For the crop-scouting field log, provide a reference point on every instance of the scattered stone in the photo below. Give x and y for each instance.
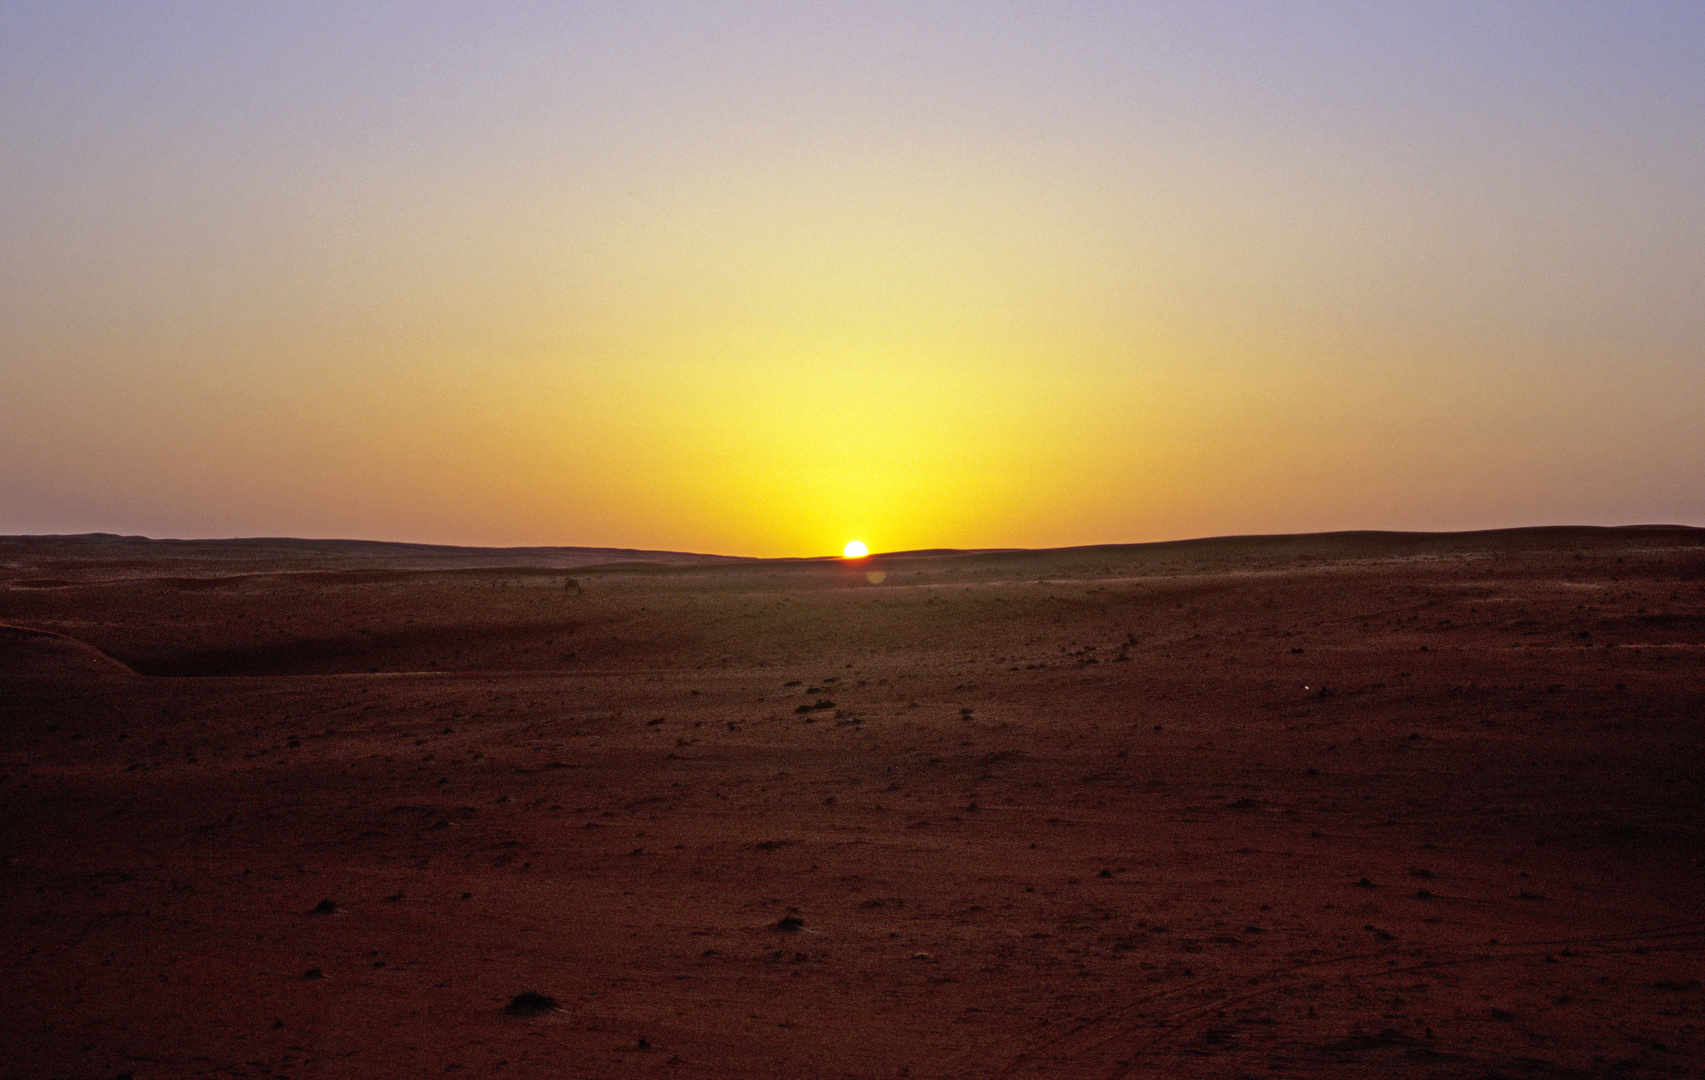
(325, 907)
(789, 924)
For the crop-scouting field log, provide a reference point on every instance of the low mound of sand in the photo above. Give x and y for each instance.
(42, 654)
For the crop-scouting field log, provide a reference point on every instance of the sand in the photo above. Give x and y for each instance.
(1326, 806)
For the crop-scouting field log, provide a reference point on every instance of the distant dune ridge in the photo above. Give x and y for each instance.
(260, 554)
(46, 561)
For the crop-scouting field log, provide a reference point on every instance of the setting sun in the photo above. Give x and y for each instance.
(855, 549)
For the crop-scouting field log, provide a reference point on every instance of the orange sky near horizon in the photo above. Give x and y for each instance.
(761, 278)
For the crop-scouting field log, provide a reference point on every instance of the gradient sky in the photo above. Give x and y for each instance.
(759, 278)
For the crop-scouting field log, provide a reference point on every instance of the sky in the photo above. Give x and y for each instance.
(758, 278)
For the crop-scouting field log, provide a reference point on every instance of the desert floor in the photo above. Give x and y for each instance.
(1332, 806)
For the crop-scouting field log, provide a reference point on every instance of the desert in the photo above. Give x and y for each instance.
(1333, 805)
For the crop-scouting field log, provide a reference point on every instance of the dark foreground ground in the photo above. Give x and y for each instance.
(1333, 806)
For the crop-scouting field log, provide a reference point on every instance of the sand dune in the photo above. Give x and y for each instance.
(27, 653)
(1337, 805)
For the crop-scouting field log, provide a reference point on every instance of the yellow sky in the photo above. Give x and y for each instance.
(766, 279)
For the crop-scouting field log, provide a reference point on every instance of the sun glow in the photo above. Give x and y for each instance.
(855, 549)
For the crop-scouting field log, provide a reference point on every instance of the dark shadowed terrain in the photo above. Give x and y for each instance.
(1319, 806)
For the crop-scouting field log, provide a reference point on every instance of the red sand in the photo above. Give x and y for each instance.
(1330, 806)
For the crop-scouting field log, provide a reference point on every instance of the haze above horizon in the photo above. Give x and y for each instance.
(764, 278)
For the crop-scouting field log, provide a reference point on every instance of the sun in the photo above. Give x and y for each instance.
(856, 550)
